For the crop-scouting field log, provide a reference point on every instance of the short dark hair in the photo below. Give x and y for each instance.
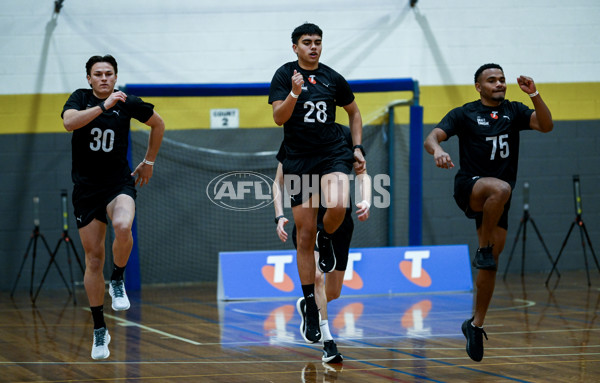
(484, 67)
(100, 59)
(306, 29)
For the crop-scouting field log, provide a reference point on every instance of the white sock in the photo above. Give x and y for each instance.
(325, 330)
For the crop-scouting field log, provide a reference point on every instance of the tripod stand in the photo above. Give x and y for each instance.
(33, 240)
(523, 225)
(582, 231)
(67, 241)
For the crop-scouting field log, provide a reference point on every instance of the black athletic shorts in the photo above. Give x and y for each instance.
(91, 202)
(463, 187)
(311, 169)
(340, 240)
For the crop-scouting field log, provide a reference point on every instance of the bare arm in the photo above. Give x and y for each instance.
(74, 119)
(541, 119)
(355, 121)
(432, 145)
(364, 182)
(278, 203)
(282, 110)
(144, 170)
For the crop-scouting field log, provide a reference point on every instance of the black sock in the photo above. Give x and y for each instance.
(98, 315)
(309, 296)
(117, 274)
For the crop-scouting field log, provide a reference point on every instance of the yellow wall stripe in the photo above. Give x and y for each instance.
(40, 113)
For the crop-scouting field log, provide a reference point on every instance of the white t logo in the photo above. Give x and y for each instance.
(417, 264)
(279, 262)
(350, 266)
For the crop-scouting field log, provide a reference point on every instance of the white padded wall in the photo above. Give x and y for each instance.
(438, 42)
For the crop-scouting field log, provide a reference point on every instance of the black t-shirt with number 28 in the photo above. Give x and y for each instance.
(488, 138)
(99, 149)
(311, 129)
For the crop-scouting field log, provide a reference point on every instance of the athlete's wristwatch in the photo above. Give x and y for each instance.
(362, 150)
(278, 218)
(101, 105)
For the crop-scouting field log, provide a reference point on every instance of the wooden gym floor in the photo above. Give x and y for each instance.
(182, 334)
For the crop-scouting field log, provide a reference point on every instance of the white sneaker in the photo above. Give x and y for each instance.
(100, 344)
(116, 290)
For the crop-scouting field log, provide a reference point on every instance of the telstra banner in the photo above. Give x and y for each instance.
(370, 271)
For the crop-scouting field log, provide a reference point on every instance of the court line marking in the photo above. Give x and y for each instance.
(454, 335)
(527, 303)
(346, 371)
(124, 322)
(348, 360)
(446, 361)
(449, 335)
(346, 342)
(128, 323)
(354, 370)
(463, 347)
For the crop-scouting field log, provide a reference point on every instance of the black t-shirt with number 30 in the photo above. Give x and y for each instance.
(311, 129)
(99, 149)
(488, 138)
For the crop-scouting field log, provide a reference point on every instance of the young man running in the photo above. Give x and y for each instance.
(488, 132)
(304, 95)
(104, 185)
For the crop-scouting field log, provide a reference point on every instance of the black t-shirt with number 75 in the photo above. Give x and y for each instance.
(488, 138)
